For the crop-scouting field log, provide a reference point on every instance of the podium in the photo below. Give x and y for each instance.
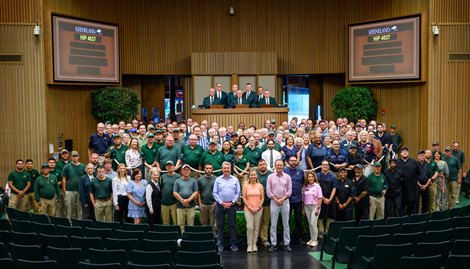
(242, 106)
(216, 107)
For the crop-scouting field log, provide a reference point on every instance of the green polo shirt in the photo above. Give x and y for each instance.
(205, 187)
(263, 179)
(61, 164)
(165, 154)
(433, 167)
(460, 156)
(120, 155)
(216, 159)
(241, 162)
(149, 153)
(46, 187)
(454, 165)
(167, 188)
(191, 156)
(33, 174)
(57, 173)
(19, 179)
(72, 174)
(253, 155)
(377, 184)
(185, 188)
(101, 188)
(142, 141)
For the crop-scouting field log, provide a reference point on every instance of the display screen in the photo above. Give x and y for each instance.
(385, 50)
(85, 51)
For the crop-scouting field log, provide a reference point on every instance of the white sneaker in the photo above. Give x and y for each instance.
(309, 242)
(314, 243)
(249, 249)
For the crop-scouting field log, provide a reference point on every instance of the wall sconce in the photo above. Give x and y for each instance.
(435, 30)
(231, 11)
(37, 30)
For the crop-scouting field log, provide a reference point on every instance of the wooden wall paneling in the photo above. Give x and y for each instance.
(20, 11)
(22, 102)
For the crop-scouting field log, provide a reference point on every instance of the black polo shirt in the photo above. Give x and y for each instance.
(360, 186)
(424, 172)
(394, 179)
(409, 170)
(344, 191)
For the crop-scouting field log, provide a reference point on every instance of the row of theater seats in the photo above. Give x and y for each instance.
(39, 243)
(417, 241)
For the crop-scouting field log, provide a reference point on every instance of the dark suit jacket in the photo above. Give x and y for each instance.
(207, 102)
(235, 102)
(258, 99)
(252, 100)
(343, 145)
(272, 101)
(224, 99)
(84, 189)
(231, 99)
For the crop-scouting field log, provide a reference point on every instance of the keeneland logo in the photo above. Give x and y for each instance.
(383, 30)
(86, 30)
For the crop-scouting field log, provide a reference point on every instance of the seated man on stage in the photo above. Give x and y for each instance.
(211, 99)
(268, 100)
(240, 100)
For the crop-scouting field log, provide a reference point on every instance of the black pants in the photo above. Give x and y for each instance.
(344, 215)
(121, 214)
(156, 218)
(424, 195)
(88, 212)
(392, 207)
(362, 212)
(297, 208)
(408, 207)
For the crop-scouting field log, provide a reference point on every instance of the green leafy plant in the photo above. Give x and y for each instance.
(114, 104)
(355, 103)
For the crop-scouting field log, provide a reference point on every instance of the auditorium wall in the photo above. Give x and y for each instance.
(158, 37)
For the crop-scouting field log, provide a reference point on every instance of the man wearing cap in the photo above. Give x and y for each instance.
(60, 209)
(455, 176)
(64, 159)
(409, 189)
(159, 142)
(344, 197)
(377, 189)
(101, 193)
(354, 157)
(117, 151)
(435, 148)
(396, 138)
(99, 142)
(168, 153)
(277, 146)
(432, 189)
(47, 191)
(185, 191)
(226, 192)
(393, 194)
(361, 189)
(19, 182)
(179, 142)
(148, 152)
(33, 173)
(213, 156)
(191, 154)
(108, 169)
(168, 200)
(70, 186)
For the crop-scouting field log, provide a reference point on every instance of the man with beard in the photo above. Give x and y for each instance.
(213, 156)
(19, 182)
(432, 189)
(337, 157)
(191, 154)
(377, 189)
(328, 184)
(117, 151)
(409, 189)
(33, 173)
(455, 177)
(354, 157)
(297, 176)
(168, 153)
(263, 174)
(205, 198)
(393, 194)
(361, 187)
(47, 191)
(424, 181)
(344, 197)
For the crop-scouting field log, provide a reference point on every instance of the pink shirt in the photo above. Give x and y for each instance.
(253, 194)
(311, 194)
(279, 185)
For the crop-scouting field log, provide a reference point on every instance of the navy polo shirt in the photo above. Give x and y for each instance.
(99, 144)
(297, 177)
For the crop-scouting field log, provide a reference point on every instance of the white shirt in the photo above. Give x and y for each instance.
(119, 188)
(266, 155)
(133, 159)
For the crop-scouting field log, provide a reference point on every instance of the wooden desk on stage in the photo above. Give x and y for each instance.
(233, 116)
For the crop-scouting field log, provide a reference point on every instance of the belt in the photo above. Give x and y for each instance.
(102, 200)
(376, 196)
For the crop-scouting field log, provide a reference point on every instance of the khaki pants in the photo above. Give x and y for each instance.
(32, 204)
(252, 227)
(47, 206)
(167, 211)
(377, 207)
(207, 215)
(264, 225)
(73, 207)
(324, 225)
(17, 202)
(432, 197)
(185, 216)
(452, 190)
(103, 210)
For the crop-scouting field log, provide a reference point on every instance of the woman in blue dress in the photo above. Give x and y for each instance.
(136, 193)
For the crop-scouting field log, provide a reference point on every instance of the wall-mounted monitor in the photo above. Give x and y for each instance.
(385, 50)
(85, 51)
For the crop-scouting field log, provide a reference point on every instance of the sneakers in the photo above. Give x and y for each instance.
(288, 248)
(272, 249)
(265, 244)
(309, 242)
(313, 243)
(234, 248)
(255, 248)
(249, 249)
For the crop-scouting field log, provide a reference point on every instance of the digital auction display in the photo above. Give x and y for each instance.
(385, 50)
(85, 51)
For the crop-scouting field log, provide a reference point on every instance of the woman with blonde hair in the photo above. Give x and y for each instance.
(133, 159)
(120, 199)
(312, 198)
(253, 198)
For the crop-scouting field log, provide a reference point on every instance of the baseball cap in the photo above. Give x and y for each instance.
(150, 134)
(360, 166)
(404, 148)
(151, 127)
(342, 169)
(158, 131)
(212, 142)
(64, 151)
(273, 121)
(271, 133)
(447, 149)
(185, 165)
(377, 164)
(421, 152)
(435, 143)
(45, 165)
(393, 126)
(176, 130)
(353, 146)
(116, 136)
(234, 134)
(133, 130)
(74, 153)
(393, 160)
(169, 163)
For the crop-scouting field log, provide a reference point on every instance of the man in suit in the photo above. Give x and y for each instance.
(346, 143)
(219, 93)
(239, 100)
(268, 100)
(232, 96)
(211, 99)
(250, 95)
(259, 95)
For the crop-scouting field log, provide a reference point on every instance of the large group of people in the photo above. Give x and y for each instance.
(168, 171)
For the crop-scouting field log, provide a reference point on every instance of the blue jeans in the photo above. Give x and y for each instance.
(231, 213)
